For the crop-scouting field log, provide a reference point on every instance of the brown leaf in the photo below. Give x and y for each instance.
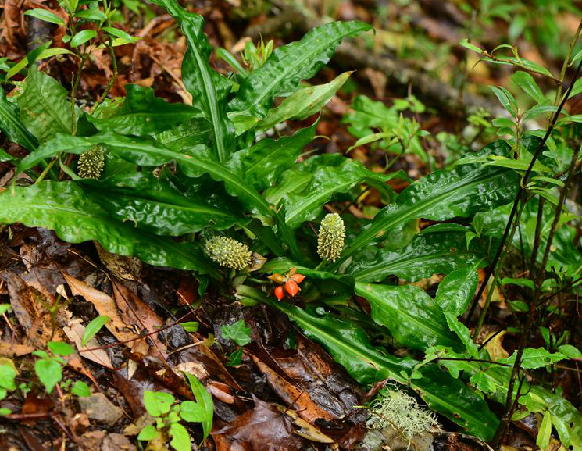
(137, 313)
(263, 428)
(104, 305)
(293, 395)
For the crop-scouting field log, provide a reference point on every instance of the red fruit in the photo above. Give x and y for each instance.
(298, 277)
(279, 293)
(291, 287)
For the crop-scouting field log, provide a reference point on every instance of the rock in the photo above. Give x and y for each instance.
(99, 408)
(117, 442)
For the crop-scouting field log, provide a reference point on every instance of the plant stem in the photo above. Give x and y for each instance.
(112, 79)
(76, 81)
(521, 193)
(496, 276)
(566, 61)
(510, 403)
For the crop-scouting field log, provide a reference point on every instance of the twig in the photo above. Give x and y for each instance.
(510, 404)
(521, 192)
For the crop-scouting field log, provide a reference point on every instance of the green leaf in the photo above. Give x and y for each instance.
(349, 346)
(7, 375)
(528, 85)
(303, 103)
(180, 438)
(411, 315)
(205, 400)
(191, 326)
(92, 328)
(506, 99)
(208, 88)
(427, 254)
(91, 14)
(81, 389)
(262, 164)
(572, 352)
(49, 371)
(192, 412)
(65, 208)
(443, 195)
(544, 431)
(11, 124)
(235, 359)
(116, 32)
(191, 133)
(290, 64)
(538, 110)
(148, 433)
(534, 358)
(456, 290)
(237, 332)
(44, 108)
(465, 43)
(454, 399)
(45, 15)
(156, 206)
(145, 152)
(60, 348)
(331, 175)
(158, 403)
(143, 114)
(82, 37)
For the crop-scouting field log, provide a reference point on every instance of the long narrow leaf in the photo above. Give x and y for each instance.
(66, 209)
(208, 88)
(290, 64)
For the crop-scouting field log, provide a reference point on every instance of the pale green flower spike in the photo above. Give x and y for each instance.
(91, 163)
(228, 252)
(332, 234)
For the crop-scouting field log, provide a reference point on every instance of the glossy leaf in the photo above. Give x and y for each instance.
(82, 37)
(204, 399)
(349, 346)
(191, 133)
(11, 124)
(303, 103)
(329, 176)
(92, 328)
(154, 205)
(262, 164)
(144, 152)
(427, 254)
(65, 208)
(454, 399)
(412, 316)
(534, 358)
(44, 108)
(290, 64)
(443, 195)
(144, 114)
(528, 85)
(544, 431)
(208, 88)
(45, 15)
(457, 289)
